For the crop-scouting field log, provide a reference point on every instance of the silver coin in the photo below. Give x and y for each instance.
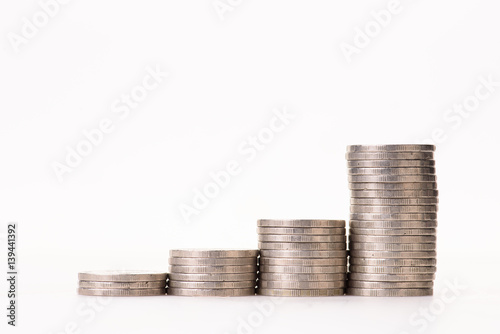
(389, 155)
(399, 239)
(393, 232)
(390, 285)
(122, 276)
(393, 171)
(392, 247)
(213, 269)
(301, 285)
(213, 285)
(363, 261)
(393, 186)
(393, 224)
(390, 163)
(391, 148)
(300, 223)
(212, 277)
(204, 261)
(393, 254)
(393, 216)
(391, 270)
(211, 292)
(122, 285)
(394, 201)
(121, 292)
(301, 238)
(391, 178)
(394, 209)
(390, 194)
(303, 262)
(301, 277)
(301, 254)
(391, 277)
(389, 292)
(300, 293)
(302, 231)
(303, 270)
(214, 253)
(303, 245)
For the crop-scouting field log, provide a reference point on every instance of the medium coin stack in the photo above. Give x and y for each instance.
(222, 273)
(122, 283)
(302, 258)
(392, 235)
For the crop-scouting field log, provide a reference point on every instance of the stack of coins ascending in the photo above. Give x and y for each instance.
(302, 258)
(122, 283)
(392, 235)
(222, 273)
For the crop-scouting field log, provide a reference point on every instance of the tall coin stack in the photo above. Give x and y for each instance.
(392, 235)
(122, 283)
(222, 273)
(302, 258)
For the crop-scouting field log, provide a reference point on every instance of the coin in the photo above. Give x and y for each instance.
(300, 293)
(212, 285)
(300, 223)
(392, 247)
(301, 285)
(302, 245)
(122, 276)
(389, 292)
(390, 285)
(390, 194)
(122, 285)
(193, 261)
(393, 171)
(392, 262)
(394, 209)
(212, 277)
(211, 292)
(394, 201)
(391, 178)
(300, 254)
(390, 163)
(301, 238)
(393, 216)
(213, 269)
(391, 277)
(391, 148)
(301, 277)
(302, 231)
(393, 186)
(303, 262)
(303, 270)
(212, 253)
(121, 292)
(391, 270)
(393, 224)
(401, 239)
(393, 254)
(389, 155)
(393, 232)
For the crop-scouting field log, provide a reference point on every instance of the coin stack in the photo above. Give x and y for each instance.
(122, 283)
(392, 235)
(302, 258)
(222, 273)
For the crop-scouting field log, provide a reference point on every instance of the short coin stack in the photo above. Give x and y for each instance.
(223, 273)
(122, 283)
(392, 235)
(302, 258)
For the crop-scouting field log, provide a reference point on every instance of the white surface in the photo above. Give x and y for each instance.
(120, 207)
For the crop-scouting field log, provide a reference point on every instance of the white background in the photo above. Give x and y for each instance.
(119, 208)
